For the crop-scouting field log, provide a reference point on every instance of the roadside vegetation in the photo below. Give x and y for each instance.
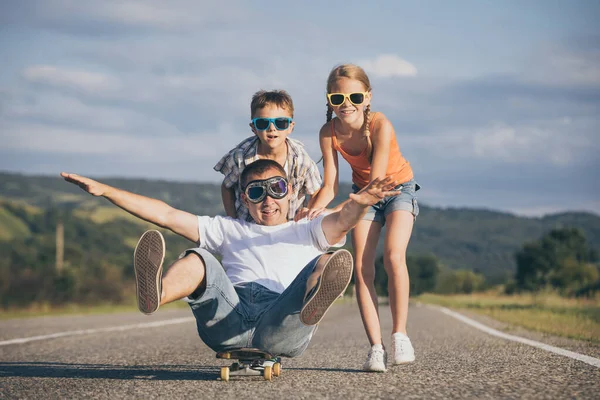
(555, 288)
(545, 312)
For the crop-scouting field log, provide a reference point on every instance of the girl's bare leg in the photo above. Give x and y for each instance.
(399, 226)
(364, 240)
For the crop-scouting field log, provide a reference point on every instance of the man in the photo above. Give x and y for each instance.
(274, 285)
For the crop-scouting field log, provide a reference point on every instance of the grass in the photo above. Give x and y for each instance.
(38, 310)
(11, 226)
(543, 312)
(102, 215)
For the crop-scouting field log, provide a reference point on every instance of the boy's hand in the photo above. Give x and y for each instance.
(310, 213)
(89, 185)
(375, 191)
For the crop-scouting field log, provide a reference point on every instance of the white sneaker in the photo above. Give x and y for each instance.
(376, 360)
(402, 349)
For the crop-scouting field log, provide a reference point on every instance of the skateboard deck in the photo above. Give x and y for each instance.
(250, 362)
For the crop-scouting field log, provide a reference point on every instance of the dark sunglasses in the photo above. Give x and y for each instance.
(337, 99)
(281, 123)
(276, 187)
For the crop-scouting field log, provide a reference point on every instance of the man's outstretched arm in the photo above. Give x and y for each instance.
(151, 210)
(337, 224)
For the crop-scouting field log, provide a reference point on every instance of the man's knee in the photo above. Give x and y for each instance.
(195, 261)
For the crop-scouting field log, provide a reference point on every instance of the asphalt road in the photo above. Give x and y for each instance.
(454, 360)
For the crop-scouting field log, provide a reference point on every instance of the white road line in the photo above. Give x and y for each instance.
(98, 330)
(557, 350)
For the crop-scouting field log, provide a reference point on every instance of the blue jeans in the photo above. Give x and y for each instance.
(250, 315)
(406, 200)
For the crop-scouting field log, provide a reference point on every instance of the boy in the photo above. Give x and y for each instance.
(272, 116)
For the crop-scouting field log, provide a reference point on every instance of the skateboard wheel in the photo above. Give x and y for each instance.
(268, 373)
(277, 369)
(225, 374)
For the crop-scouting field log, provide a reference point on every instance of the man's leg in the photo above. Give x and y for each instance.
(328, 281)
(281, 329)
(184, 277)
(200, 277)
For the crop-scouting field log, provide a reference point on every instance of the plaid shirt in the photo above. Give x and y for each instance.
(303, 173)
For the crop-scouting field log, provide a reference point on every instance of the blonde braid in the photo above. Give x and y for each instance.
(367, 133)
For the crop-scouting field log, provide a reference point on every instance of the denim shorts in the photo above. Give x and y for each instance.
(406, 200)
(249, 314)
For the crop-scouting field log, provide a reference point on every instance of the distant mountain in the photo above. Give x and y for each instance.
(480, 240)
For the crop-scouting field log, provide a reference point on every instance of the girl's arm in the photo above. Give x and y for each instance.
(330, 169)
(382, 138)
(327, 193)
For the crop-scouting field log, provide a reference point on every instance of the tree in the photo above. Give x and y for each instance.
(422, 270)
(560, 259)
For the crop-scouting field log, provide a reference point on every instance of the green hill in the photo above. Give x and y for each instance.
(480, 240)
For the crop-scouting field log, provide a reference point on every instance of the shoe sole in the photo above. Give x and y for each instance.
(374, 369)
(404, 361)
(334, 280)
(147, 264)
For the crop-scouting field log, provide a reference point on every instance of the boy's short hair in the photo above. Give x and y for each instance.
(259, 167)
(280, 98)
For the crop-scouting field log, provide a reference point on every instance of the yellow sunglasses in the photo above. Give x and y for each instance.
(337, 99)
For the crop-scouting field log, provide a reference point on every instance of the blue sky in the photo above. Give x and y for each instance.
(495, 103)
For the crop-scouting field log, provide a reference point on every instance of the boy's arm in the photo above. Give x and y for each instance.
(337, 224)
(151, 210)
(228, 196)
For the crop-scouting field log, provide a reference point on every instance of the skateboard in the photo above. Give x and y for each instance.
(250, 362)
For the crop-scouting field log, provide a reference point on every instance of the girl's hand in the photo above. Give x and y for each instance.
(89, 185)
(375, 191)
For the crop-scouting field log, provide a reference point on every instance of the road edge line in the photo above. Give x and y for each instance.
(96, 330)
(552, 349)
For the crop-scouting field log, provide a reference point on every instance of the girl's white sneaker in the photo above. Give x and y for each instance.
(402, 349)
(376, 359)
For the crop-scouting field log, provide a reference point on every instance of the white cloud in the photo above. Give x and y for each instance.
(559, 143)
(57, 109)
(171, 16)
(38, 138)
(552, 142)
(387, 66)
(85, 81)
(559, 65)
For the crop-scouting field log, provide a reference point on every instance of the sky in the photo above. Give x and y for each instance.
(496, 104)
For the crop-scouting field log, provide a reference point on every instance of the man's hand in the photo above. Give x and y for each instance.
(375, 191)
(337, 224)
(155, 211)
(89, 185)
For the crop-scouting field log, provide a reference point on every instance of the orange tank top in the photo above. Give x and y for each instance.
(398, 167)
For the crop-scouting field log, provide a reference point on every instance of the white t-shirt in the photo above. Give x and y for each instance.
(269, 255)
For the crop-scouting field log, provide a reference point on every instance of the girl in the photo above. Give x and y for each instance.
(366, 140)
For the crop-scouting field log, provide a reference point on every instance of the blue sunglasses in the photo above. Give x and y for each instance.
(280, 123)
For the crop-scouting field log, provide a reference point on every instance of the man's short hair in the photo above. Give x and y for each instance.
(258, 167)
(279, 98)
